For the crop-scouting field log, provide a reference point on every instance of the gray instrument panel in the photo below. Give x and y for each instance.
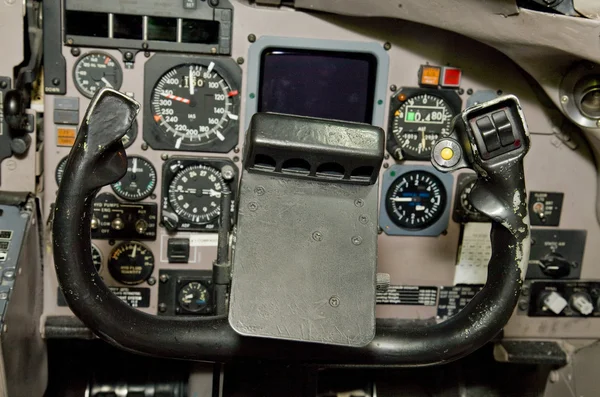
(410, 260)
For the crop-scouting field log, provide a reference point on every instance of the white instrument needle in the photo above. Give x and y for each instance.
(134, 251)
(106, 82)
(401, 199)
(191, 81)
(134, 169)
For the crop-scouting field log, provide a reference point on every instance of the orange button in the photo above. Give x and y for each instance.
(65, 136)
(430, 75)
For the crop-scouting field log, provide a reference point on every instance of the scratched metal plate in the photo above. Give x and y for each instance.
(305, 261)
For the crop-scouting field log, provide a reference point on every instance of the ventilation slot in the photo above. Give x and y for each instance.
(331, 170)
(264, 162)
(296, 166)
(362, 174)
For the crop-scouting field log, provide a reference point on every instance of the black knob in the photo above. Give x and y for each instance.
(21, 144)
(13, 109)
(555, 265)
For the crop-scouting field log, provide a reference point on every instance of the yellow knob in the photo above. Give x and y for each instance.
(447, 153)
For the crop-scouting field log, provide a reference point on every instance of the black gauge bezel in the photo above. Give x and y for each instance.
(78, 61)
(146, 195)
(442, 206)
(460, 214)
(134, 128)
(449, 96)
(169, 171)
(156, 68)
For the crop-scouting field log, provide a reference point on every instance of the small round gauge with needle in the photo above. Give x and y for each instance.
(416, 200)
(131, 263)
(96, 70)
(60, 169)
(194, 297)
(96, 258)
(139, 181)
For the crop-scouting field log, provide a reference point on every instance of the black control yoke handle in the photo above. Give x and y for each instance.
(98, 159)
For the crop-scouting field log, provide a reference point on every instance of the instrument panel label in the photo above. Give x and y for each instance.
(407, 295)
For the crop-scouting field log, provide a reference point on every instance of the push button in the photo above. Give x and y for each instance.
(178, 250)
(505, 130)
(489, 134)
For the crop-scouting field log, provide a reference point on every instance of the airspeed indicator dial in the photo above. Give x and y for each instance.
(193, 105)
(418, 118)
(195, 194)
(416, 200)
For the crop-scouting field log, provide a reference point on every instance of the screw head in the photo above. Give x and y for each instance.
(387, 46)
(70, 41)
(357, 240)
(236, 150)
(56, 81)
(164, 278)
(393, 88)
(470, 91)
(386, 165)
(151, 281)
(147, 54)
(162, 307)
(363, 219)
(317, 236)
(334, 301)
(164, 156)
(213, 50)
(3, 84)
(251, 37)
(75, 51)
(144, 146)
(145, 46)
(236, 159)
(259, 190)
(252, 206)
(564, 99)
(359, 202)
(461, 91)
(227, 172)
(240, 61)
(128, 56)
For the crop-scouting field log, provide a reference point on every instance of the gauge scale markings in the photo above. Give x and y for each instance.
(177, 90)
(415, 200)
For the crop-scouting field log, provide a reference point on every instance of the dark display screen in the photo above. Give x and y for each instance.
(333, 85)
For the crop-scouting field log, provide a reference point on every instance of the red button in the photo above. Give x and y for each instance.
(451, 77)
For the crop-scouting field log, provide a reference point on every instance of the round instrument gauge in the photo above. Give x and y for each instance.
(193, 297)
(96, 70)
(131, 263)
(96, 258)
(195, 193)
(419, 120)
(464, 199)
(139, 181)
(130, 135)
(60, 169)
(416, 200)
(193, 105)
